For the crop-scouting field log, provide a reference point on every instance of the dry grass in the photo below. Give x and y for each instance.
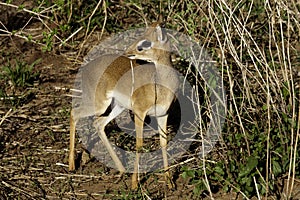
(255, 47)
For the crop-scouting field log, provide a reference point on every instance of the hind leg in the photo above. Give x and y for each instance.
(100, 124)
(76, 114)
(72, 142)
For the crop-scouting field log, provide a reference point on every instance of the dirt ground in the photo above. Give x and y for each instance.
(34, 137)
(34, 154)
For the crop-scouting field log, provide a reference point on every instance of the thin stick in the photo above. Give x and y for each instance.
(72, 35)
(91, 16)
(5, 116)
(25, 10)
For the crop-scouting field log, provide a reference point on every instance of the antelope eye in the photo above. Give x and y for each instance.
(144, 45)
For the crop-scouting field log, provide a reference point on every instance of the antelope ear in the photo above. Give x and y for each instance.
(161, 20)
(161, 34)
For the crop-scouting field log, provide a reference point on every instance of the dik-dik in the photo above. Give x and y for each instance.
(119, 81)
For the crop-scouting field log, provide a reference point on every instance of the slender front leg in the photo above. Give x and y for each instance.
(139, 123)
(72, 143)
(162, 128)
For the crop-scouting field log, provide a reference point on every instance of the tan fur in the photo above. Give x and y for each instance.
(146, 90)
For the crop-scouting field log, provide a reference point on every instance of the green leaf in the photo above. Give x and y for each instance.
(252, 163)
(276, 167)
(219, 170)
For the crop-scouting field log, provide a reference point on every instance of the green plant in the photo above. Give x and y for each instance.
(21, 74)
(48, 40)
(260, 142)
(16, 77)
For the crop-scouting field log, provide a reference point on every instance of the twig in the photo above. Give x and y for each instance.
(72, 35)
(105, 19)
(5, 116)
(91, 16)
(18, 35)
(24, 9)
(19, 190)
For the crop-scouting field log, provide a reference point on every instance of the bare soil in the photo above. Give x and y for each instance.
(34, 135)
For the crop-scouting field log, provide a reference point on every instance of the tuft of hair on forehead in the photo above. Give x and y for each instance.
(160, 22)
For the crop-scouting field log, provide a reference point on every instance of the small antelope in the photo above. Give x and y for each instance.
(119, 80)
